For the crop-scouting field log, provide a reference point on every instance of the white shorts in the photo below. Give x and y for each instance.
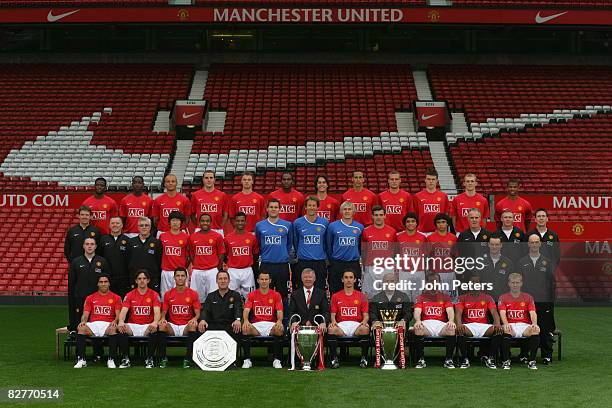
(98, 328)
(138, 330)
(203, 281)
(478, 329)
(417, 279)
(242, 280)
(264, 328)
(349, 327)
(178, 329)
(167, 282)
(131, 234)
(434, 327)
(519, 328)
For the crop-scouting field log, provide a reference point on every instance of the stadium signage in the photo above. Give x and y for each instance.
(307, 15)
(565, 202)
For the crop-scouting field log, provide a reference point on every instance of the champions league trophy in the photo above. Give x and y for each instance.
(306, 342)
(388, 339)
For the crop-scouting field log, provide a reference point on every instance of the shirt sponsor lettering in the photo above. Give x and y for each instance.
(360, 207)
(180, 309)
(240, 251)
(518, 217)
(464, 212)
(516, 314)
(312, 239)
(441, 251)
(136, 212)
(272, 240)
(209, 207)
(432, 208)
(393, 209)
(103, 310)
(204, 250)
(410, 251)
(172, 250)
(476, 313)
(348, 241)
(263, 310)
(247, 209)
(324, 214)
(287, 209)
(166, 211)
(378, 245)
(433, 310)
(347, 311)
(98, 215)
(141, 310)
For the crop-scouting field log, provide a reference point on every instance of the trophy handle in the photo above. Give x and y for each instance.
(322, 319)
(291, 319)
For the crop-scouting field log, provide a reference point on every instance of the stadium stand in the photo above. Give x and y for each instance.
(534, 3)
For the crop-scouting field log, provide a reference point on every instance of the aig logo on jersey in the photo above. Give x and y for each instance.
(136, 212)
(518, 217)
(380, 245)
(263, 310)
(287, 209)
(476, 313)
(103, 310)
(393, 209)
(433, 310)
(247, 209)
(411, 251)
(180, 309)
(441, 251)
(166, 211)
(312, 239)
(516, 314)
(324, 214)
(465, 211)
(348, 311)
(348, 241)
(172, 250)
(209, 208)
(240, 251)
(204, 250)
(142, 310)
(98, 215)
(272, 240)
(432, 208)
(360, 207)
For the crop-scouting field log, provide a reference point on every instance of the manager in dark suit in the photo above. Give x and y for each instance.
(309, 301)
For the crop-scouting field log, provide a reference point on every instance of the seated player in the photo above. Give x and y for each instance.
(434, 317)
(100, 314)
(518, 315)
(349, 317)
(267, 319)
(144, 307)
(182, 307)
(471, 315)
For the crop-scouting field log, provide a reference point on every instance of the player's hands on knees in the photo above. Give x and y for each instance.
(278, 325)
(461, 329)
(498, 329)
(192, 323)
(246, 326)
(152, 327)
(236, 326)
(535, 329)
(163, 322)
(451, 325)
(81, 325)
(122, 328)
(419, 326)
(507, 329)
(202, 326)
(333, 324)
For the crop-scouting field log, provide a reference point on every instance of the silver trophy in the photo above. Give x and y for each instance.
(388, 339)
(307, 339)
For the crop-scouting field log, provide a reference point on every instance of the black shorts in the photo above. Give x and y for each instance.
(337, 268)
(279, 274)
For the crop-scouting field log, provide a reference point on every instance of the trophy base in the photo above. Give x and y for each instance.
(306, 368)
(389, 366)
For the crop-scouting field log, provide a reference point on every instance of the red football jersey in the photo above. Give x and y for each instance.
(377, 243)
(396, 206)
(433, 305)
(264, 307)
(349, 308)
(141, 306)
(328, 208)
(413, 246)
(475, 307)
(427, 205)
(442, 246)
(205, 248)
(132, 207)
(292, 203)
(240, 249)
(164, 205)
(102, 308)
(253, 205)
(175, 252)
(215, 203)
(102, 210)
(462, 204)
(180, 306)
(517, 308)
(520, 207)
(363, 200)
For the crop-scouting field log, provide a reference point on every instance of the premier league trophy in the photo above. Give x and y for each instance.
(387, 339)
(306, 342)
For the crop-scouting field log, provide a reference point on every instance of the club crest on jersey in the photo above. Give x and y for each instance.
(348, 311)
(231, 299)
(347, 241)
(312, 239)
(143, 203)
(166, 211)
(482, 302)
(188, 299)
(517, 234)
(172, 250)
(136, 212)
(180, 309)
(204, 250)
(318, 229)
(92, 234)
(393, 209)
(356, 301)
(98, 215)
(148, 300)
(544, 263)
(263, 310)
(484, 236)
(181, 242)
(179, 203)
(476, 313)
(241, 251)
(152, 244)
(431, 208)
(209, 207)
(98, 264)
(111, 301)
(123, 242)
(247, 209)
(360, 207)
(103, 310)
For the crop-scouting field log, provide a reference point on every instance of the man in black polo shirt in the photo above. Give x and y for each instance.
(389, 298)
(114, 248)
(512, 237)
(222, 309)
(73, 244)
(83, 280)
(551, 247)
(472, 243)
(497, 268)
(145, 252)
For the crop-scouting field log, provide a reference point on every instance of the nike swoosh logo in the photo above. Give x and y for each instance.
(52, 19)
(191, 115)
(540, 20)
(426, 117)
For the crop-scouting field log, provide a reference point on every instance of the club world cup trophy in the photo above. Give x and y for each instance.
(306, 343)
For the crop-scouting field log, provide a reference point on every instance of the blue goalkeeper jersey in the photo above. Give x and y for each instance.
(275, 240)
(343, 241)
(309, 238)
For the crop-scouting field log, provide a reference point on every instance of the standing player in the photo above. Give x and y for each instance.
(291, 200)
(519, 317)
(442, 246)
(75, 236)
(249, 202)
(134, 205)
(100, 316)
(275, 237)
(472, 316)
(143, 305)
(170, 201)
(267, 307)
(114, 248)
(207, 253)
(309, 241)
(512, 237)
(209, 200)
(396, 202)
(176, 247)
(102, 206)
(413, 245)
(434, 316)
(241, 247)
(378, 242)
(429, 202)
(179, 316)
(344, 247)
(464, 202)
(328, 205)
(145, 252)
(519, 207)
(362, 198)
(349, 317)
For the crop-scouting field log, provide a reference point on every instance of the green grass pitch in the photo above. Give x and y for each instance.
(582, 379)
